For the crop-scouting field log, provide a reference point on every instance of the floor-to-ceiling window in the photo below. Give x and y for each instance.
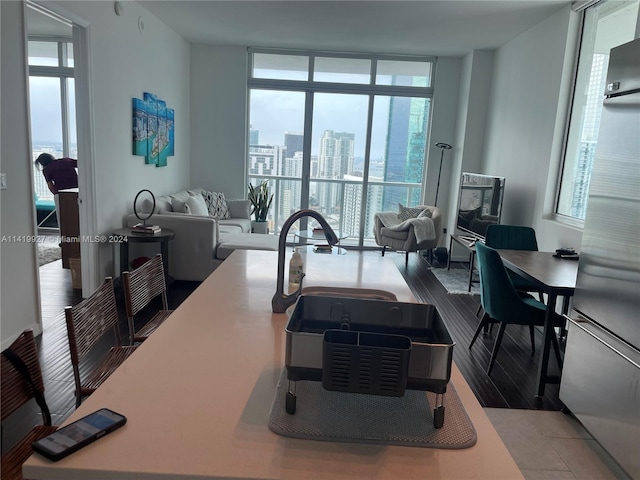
(606, 24)
(344, 135)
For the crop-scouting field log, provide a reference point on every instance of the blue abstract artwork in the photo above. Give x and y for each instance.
(153, 129)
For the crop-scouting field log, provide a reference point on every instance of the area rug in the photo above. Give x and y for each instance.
(356, 418)
(456, 280)
(48, 252)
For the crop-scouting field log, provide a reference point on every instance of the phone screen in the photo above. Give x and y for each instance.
(77, 432)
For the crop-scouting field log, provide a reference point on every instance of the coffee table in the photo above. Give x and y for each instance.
(318, 237)
(310, 234)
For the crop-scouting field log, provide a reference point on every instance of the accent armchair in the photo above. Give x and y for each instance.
(392, 231)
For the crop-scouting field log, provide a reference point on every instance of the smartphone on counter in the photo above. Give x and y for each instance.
(76, 435)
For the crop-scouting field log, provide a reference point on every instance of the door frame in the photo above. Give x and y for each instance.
(84, 136)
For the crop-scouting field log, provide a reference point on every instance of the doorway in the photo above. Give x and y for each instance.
(56, 53)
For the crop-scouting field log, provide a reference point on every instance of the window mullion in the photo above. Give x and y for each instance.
(306, 155)
(365, 170)
(41, 71)
(64, 100)
(330, 87)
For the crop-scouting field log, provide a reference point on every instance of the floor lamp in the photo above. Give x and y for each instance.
(443, 147)
(440, 254)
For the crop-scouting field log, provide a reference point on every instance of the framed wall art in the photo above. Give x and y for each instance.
(153, 129)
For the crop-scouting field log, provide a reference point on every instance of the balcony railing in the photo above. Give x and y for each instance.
(344, 210)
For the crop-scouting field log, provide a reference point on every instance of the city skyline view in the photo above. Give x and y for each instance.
(338, 156)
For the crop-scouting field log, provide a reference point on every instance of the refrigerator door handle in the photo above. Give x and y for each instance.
(580, 320)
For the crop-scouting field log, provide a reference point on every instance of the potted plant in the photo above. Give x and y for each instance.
(260, 204)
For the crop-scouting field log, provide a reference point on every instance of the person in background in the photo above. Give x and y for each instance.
(60, 174)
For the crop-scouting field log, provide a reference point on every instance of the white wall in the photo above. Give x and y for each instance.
(443, 127)
(18, 281)
(219, 118)
(124, 64)
(475, 83)
(526, 123)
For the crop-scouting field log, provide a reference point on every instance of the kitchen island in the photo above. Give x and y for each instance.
(198, 392)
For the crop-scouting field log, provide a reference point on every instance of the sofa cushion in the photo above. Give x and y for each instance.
(191, 205)
(217, 204)
(229, 228)
(179, 206)
(245, 241)
(239, 208)
(242, 224)
(163, 204)
(197, 206)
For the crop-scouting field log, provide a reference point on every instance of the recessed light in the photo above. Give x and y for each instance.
(118, 7)
(141, 24)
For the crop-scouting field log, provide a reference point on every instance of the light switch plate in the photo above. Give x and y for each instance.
(3, 181)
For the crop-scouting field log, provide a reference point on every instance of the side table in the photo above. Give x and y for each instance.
(468, 243)
(161, 237)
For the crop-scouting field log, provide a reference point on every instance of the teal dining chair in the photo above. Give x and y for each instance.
(514, 237)
(503, 304)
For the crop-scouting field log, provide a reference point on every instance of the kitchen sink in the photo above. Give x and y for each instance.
(367, 345)
(369, 293)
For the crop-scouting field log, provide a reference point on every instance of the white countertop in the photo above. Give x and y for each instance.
(198, 393)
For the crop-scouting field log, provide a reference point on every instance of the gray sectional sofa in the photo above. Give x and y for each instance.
(202, 242)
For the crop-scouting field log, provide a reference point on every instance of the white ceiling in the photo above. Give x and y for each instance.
(451, 28)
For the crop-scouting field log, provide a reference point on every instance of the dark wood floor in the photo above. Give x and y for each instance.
(512, 381)
(511, 384)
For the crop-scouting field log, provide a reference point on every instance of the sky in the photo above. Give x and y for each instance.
(46, 117)
(337, 112)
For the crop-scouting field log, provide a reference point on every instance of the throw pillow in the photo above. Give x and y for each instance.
(197, 205)
(179, 206)
(405, 213)
(426, 213)
(216, 204)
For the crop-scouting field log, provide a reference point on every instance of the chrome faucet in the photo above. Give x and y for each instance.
(280, 300)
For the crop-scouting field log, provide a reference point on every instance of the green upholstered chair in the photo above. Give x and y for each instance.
(514, 237)
(503, 304)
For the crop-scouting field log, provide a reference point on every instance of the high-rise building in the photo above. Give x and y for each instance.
(352, 206)
(589, 136)
(406, 140)
(266, 159)
(254, 136)
(293, 142)
(290, 190)
(335, 160)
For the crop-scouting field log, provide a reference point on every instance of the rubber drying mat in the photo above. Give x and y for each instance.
(351, 417)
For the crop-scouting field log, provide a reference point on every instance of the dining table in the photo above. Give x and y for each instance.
(556, 277)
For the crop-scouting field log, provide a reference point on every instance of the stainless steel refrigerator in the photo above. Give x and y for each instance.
(601, 375)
